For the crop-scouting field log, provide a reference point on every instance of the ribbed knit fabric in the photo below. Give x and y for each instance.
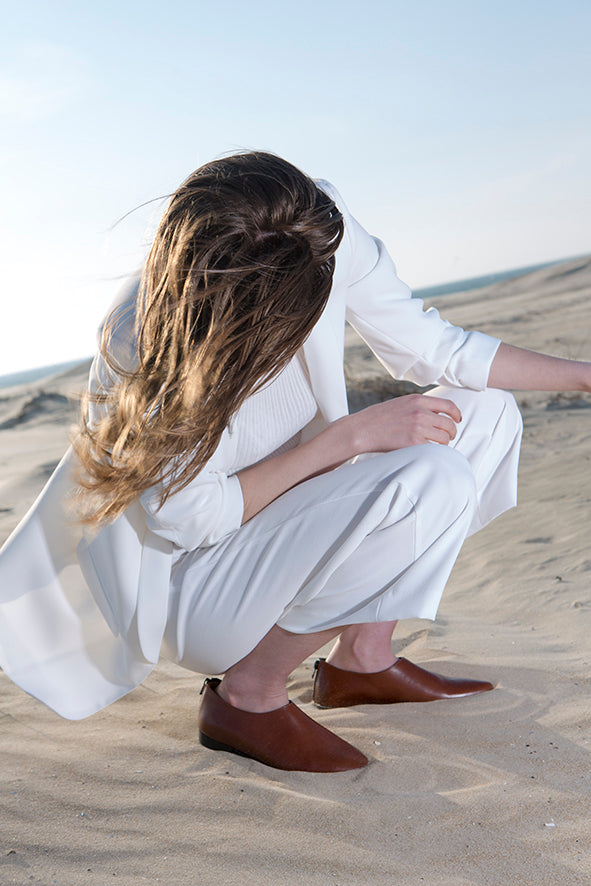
(270, 420)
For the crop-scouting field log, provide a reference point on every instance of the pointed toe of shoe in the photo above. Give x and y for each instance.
(403, 682)
(285, 738)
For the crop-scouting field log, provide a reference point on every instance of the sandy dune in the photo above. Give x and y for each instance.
(489, 790)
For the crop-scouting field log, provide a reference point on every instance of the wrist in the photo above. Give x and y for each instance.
(347, 437)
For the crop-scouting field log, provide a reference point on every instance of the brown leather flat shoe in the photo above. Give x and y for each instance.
(404, 681)
(285, 738)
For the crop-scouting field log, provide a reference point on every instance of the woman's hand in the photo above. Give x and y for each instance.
(404, 421)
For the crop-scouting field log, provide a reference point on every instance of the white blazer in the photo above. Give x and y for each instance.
(82, 615)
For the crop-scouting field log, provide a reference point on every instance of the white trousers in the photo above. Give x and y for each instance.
(373, 540)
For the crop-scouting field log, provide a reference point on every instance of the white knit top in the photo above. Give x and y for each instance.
(270, 420)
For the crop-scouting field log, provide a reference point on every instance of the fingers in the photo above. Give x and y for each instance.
(442, 405)
(446, 428)
(436, 435)
(406, 421)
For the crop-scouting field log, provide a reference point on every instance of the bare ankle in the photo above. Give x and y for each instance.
(363, 649)
(370, 664)
(250, 696)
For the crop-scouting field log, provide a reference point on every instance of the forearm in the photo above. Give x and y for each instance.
(383, 427)
(523, 370)
(264, 482)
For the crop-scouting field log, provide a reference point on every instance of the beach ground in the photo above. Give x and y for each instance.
(487, 790)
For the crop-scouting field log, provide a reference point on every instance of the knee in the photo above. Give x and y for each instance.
(450, 473)
(503, 409)
(488, 413)
(436, 474)
(496, 412)
(445, 490)
(485, 409)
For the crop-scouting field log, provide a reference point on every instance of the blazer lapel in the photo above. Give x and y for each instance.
(323, 354)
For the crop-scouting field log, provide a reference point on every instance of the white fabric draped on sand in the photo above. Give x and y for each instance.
(61, 639)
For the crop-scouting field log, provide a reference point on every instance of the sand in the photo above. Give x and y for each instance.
(486, 790)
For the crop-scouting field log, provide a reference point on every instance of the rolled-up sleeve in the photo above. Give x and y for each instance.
(413, 344)
(208, 509)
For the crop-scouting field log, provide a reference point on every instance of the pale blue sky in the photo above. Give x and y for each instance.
(459, 132)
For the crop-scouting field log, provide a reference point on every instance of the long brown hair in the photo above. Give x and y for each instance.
(238, 275)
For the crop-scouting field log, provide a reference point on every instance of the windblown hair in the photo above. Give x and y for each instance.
(238, 275)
